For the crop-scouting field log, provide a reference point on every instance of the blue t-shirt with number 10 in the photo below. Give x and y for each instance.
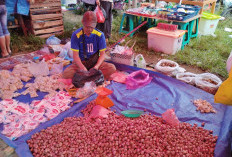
(93, 43)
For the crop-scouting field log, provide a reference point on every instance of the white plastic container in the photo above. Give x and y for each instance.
(208, 23)
(168, 42)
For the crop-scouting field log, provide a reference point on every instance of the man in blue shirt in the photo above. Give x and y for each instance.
(88, 45)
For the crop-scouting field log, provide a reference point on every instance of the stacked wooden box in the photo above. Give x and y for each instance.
(46, 18)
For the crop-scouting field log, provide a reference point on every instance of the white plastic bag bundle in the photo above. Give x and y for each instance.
(229, 62)
(187, 77)
(208, 82)
(39, 69)
(140, 61)
(166, 66)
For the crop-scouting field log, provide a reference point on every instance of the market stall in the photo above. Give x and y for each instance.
(156, 97)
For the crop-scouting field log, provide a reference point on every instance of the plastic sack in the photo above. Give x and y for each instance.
(81, 77)
(166, 66)
(39, 69)
(170, 117)
(52, 40)
(224, 92)
(137, 79)
(229, 62)
(187, 77)
(88, 89)
(56, 69)
(208, 82)
(140, 61)
(99, 111)
(99, 14)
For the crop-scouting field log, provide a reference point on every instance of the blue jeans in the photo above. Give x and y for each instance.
(3, 21)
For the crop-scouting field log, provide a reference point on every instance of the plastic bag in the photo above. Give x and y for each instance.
(88, 89)
(99, 14)
(67, 46)
(140, 61)
(56, 69)
(137, 79)
(170, 117)
(208, 82)
(224, 92)
(229, 62)
(94, 75)
(52, 40)
(166, 66)
(99, 111)
(186, 77)
(39, 69)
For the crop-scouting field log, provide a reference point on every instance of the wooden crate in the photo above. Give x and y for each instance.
(46, 18)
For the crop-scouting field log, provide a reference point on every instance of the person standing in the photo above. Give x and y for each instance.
(106, 27)
(4, 33)
(88, 45)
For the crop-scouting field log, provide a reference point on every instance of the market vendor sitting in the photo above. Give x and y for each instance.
(92, 54)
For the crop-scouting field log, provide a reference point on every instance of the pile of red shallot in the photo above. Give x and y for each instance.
(118, 136)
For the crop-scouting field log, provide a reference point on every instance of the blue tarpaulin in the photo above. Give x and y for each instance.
(161, 94)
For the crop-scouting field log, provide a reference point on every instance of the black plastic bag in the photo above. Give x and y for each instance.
(94, 75)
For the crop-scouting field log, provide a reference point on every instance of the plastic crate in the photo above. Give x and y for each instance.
(168, 42)
(208, 23)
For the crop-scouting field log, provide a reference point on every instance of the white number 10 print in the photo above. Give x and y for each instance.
(90, 47)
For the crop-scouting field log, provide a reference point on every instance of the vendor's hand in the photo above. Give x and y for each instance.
(112, 5)
(98, 2)
(84, 69)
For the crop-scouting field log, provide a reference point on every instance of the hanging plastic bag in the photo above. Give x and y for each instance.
(99, 14)
(140, 61)
(137, 79)
(208, 82)
(170, 117)
(224, 92)
(39, 69)
(166, 66)
(52, 40)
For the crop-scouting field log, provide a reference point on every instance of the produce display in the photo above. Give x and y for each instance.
(147, 135)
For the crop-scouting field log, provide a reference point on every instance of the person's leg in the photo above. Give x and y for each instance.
(107, 6)
(7, 39)
(107, 69)
(3, 30)
(70, 71)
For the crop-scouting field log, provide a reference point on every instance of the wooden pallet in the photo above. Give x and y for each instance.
(46, 18)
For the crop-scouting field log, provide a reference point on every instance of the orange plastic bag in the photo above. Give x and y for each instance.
(100, 15)
(224, 93)
(102, 98)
